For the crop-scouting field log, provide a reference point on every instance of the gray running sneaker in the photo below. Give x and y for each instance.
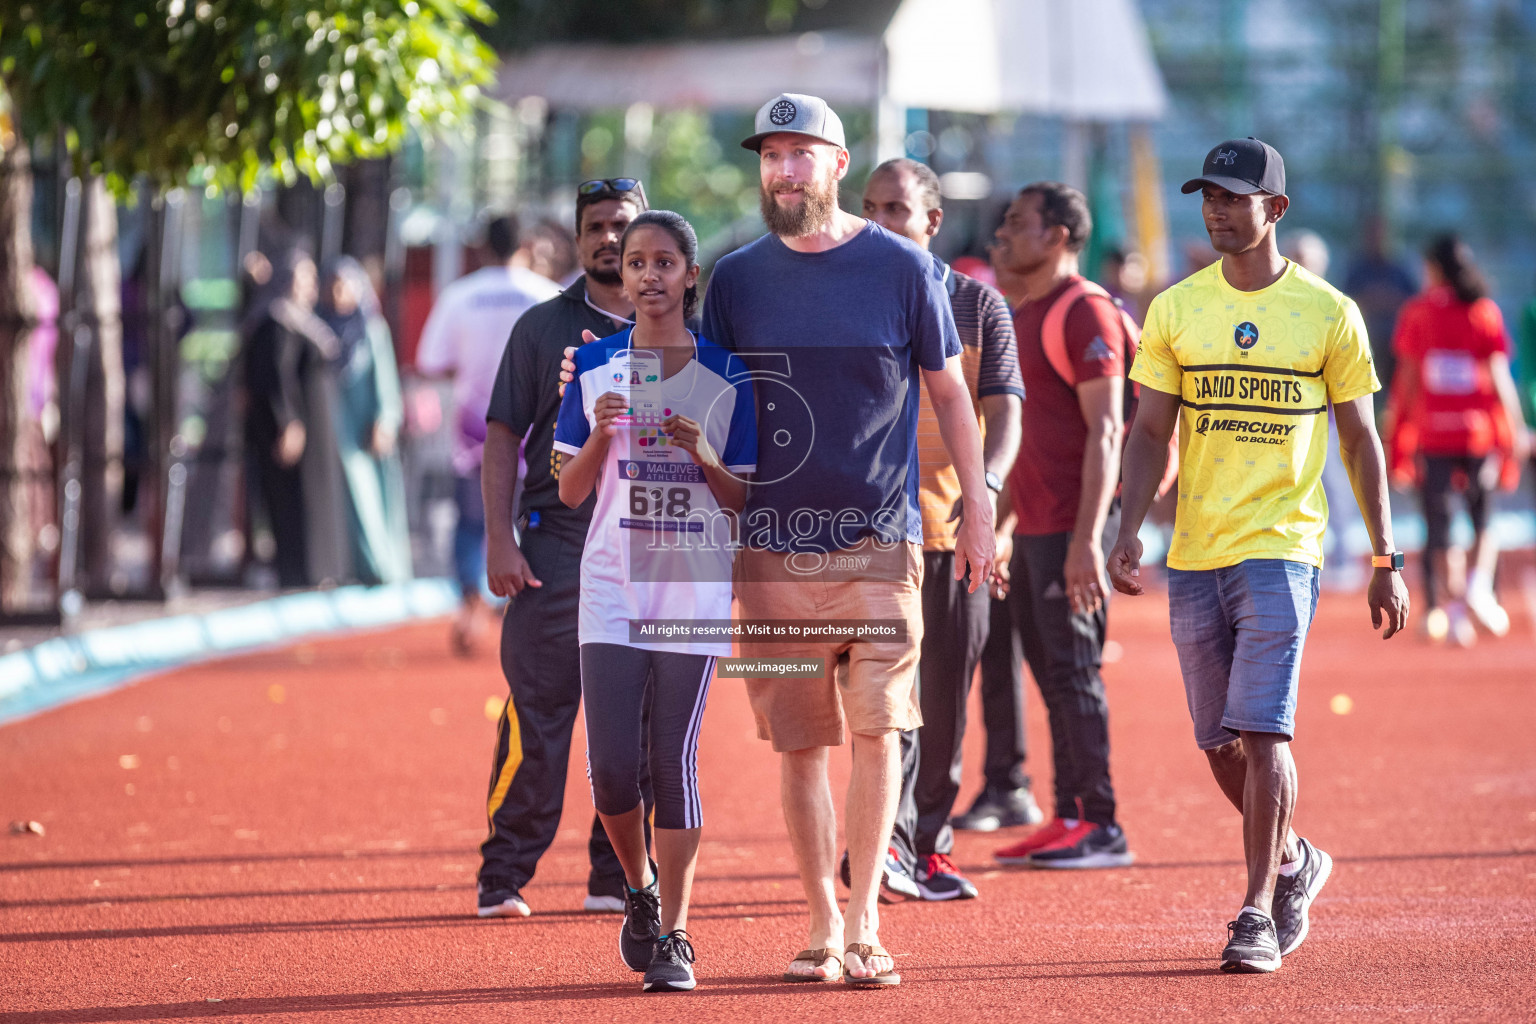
(1252, 947)
(642, 924)
(1294, 895)
(671, 968)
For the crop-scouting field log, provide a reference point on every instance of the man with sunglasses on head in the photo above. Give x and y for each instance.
(536, 565)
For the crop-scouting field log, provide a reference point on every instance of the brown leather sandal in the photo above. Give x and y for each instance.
(815, 956)
(864, 951)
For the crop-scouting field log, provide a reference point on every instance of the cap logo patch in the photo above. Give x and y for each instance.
(1246, 335)
(782, 113)
(1225, 156)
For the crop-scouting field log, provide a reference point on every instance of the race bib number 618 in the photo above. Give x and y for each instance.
(660, 495)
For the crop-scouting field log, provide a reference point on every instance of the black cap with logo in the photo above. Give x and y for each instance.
(1244, 166)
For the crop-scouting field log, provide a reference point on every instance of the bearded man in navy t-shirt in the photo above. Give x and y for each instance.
(840, 322)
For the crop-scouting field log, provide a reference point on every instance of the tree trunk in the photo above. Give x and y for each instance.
(95, 414)
(301, 211)
(18, 317)
(367, 224)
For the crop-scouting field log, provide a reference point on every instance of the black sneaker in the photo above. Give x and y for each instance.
(939, 879)
(1019, 808)
(1087, 846)
(671, 968)
(1295, 894)
(994, 810)
(896, 886)
(642, 924)
(1252, 947)
(498, 897)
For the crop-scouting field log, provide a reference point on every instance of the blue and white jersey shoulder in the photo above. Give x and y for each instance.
(659, 546)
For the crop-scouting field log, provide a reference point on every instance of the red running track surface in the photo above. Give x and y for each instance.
(292, 836)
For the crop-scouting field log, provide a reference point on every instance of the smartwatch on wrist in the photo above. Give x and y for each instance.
(1391, 560)
(994, 482)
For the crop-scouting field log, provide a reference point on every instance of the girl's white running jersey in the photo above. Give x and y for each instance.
(659, 546)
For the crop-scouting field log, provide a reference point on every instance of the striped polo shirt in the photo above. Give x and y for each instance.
(989, 357)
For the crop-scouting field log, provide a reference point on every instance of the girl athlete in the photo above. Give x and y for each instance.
(663, 424)
(1456, 426)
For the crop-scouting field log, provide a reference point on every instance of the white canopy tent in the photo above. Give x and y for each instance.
(1084, 60)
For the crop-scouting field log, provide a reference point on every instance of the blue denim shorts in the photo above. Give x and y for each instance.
(469, 534)
(1239, 631)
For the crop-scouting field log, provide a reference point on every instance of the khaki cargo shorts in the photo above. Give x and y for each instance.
(866, 687)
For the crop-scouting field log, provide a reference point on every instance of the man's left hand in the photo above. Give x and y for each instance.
(1000, 580)
(1388, 598)
(1084, 576)
(957, 512)
(976, 546)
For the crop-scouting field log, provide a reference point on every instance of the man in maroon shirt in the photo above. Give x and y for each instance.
(1064, 514)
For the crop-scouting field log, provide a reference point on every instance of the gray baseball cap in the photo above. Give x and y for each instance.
(797, 113)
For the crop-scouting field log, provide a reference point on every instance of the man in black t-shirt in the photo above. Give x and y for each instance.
(539, 572)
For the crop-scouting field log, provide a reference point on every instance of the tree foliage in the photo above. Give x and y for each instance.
(163, 88)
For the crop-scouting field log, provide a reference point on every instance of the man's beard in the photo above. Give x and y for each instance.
(610, 278)
(818, 200)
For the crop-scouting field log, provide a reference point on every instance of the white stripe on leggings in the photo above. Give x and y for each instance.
(586, 735)
(693, 811)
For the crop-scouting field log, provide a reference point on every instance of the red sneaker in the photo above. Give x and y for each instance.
(1042, 837)
(939, 879)
(1067, 838)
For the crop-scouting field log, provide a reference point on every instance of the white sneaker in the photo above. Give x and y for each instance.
(1463, 633)
(595, 904)
(1487, 612)
(1437, 626)
(511, 906)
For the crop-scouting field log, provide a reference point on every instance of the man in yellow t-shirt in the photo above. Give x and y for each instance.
(1247, 355)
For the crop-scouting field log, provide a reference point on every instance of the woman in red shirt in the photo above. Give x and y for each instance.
(1455, 424)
